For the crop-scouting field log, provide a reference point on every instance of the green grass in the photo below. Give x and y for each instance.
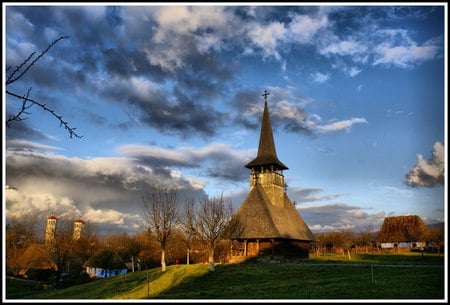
(329, 276)
(406, 258)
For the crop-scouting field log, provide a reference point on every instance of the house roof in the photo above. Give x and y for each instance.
(257, 217)
(37, 256)
(406, 228)
(267, 154)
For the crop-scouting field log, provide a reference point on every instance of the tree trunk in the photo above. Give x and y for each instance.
(163, 260)
(211, 260)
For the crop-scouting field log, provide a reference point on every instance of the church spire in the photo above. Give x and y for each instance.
(267, 155)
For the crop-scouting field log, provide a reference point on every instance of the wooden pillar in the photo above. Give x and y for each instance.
(245, 247)
(257, 247)
(272, 242)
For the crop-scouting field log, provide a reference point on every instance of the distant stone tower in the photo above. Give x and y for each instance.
(50, 230)
(77, 227)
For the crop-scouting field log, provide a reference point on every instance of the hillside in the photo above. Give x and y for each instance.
(328, 277)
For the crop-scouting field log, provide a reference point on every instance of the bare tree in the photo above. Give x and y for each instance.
(25, 99)
(61, 249)
(161, 215)
(211, 220)
(20, 234)
(188, 222)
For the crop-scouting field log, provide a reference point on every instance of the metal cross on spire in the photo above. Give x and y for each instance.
(265, 94)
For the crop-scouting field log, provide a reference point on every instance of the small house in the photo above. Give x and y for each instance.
(403, 232)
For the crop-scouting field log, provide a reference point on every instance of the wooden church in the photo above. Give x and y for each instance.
(267, 223)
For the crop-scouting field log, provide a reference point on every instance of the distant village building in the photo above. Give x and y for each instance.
(105, 263)
(267, 223)
(95, 272)
(36, 257)
(40, 256)
(403, 232)
(50, 230)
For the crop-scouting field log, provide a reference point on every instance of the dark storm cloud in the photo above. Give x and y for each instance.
(181, 115)
(249, 108)
(104, 191)
(245, 99)
(181, 50)
(206, 78)
(309, 195)
(339, 216)
(198, 82)
(218, 159)
(284, 113)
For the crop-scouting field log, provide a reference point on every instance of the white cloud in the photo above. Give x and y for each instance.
(176, 25)
(339, 125)
(267, 37)
(28, 145)
(22, 204)
(303, 28)
(428, 173)
(353, 71)
(320, 77)
(18, 51)
(286, 110)
(105, 188)
(289, 110)
(404, 56)
(398, 49)
(343, 48)
(104, 216)
(182, 19)
(143, 88)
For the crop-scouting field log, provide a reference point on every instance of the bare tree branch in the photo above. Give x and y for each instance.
(26, 106)
(10, 80)
(161, 215)
(27, 103)
(210, 222)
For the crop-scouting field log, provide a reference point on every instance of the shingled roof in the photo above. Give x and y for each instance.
(37, 256)
(406, 228)
(258, 218)
(267, 154)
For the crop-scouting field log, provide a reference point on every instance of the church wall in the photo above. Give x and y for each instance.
(273, 248)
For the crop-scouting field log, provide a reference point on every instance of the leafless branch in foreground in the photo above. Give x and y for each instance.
(27, 102)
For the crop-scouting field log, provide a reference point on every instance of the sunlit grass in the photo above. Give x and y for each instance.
(380, 258)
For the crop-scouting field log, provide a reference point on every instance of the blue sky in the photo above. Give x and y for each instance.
(172, 94)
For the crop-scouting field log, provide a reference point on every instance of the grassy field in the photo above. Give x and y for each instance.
(329, 276)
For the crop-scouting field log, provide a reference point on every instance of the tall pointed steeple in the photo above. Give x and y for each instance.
(267, 155)
(267, 223)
